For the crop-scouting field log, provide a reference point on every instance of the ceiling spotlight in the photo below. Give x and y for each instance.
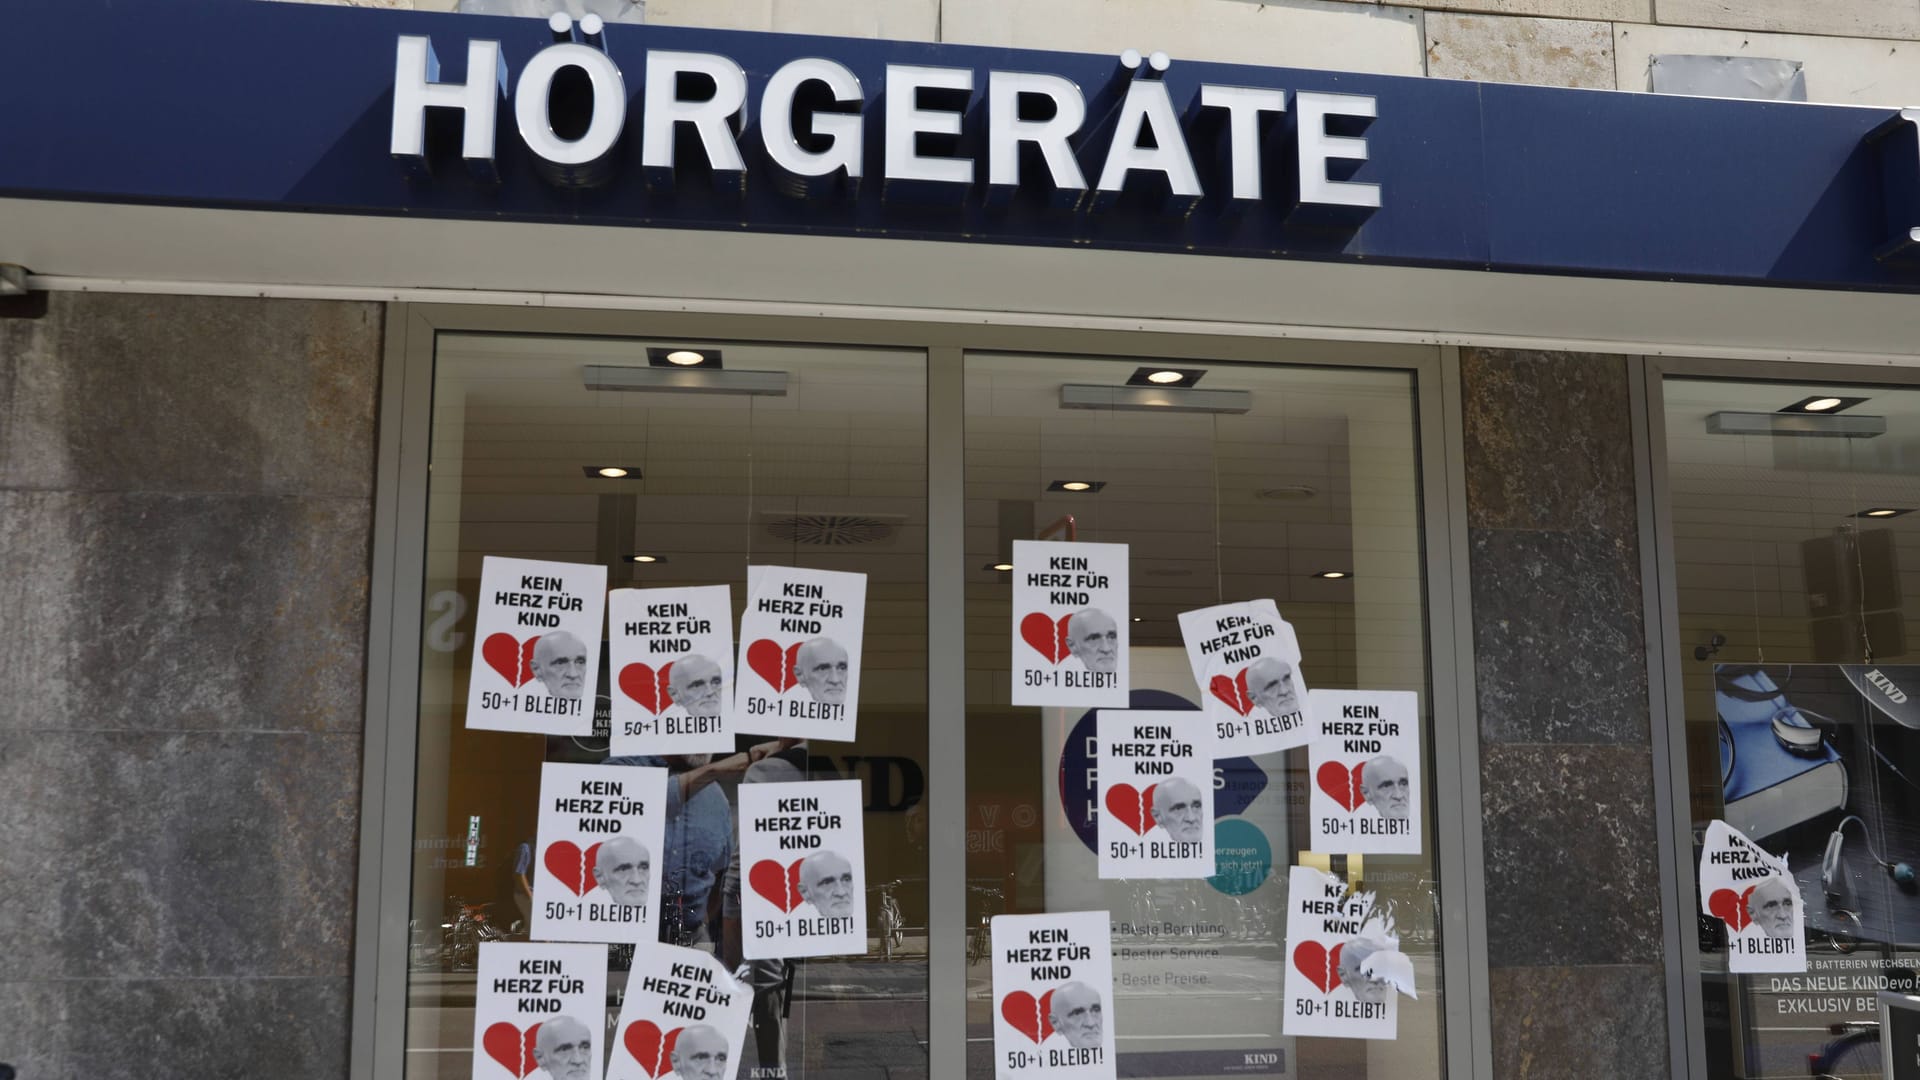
(1823, 403)
(1165, 376)
(1077, 486)
(646, 558)
(1001, 567)
(683, 357)
(611, 472)
(1885, 512)
(1333, 575)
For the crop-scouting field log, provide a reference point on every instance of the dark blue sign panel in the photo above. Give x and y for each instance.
(240, 104)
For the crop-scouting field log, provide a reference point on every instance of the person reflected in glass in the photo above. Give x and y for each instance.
(700, 1053)
(826, 882)
(820, 665)
(1094, 637)
(1384, 785)
(1178, 810)
(699, 841)
(560, 663)
(1770, 906)
(563, 1049)
(1076, 1014)
(1270, 685)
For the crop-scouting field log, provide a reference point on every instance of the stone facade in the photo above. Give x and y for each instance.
(185, 514)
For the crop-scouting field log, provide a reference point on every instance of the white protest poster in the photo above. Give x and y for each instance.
(683, 1017)
(601, 853)
(803, 850)
(1365, 764)
(1053, 996)
(800, 653)
(539, 1010)
(536, 646)
(672, 657)
(1345, 970)
(1754, 894)
(1155, 772)
(1070, 624)
(1246, 661)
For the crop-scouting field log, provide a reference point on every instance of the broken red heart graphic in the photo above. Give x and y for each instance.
(1028, 1017)
(1134, 808)
(653, 1050)
(510, 656)
(1731, 907)
(1319, 964)
(1047, 636)
(779, 884)
(773, 663)
(647, 686)
(1337, 781)
(510, 1047)
(573, 867)
(1232, 691)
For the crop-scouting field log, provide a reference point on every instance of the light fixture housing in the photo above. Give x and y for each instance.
(1332, 575)
(1881, 513)
(1150, 398)
(667, 378)
(1158, 375)
(677, 356)
(1821, 425)
(1806, 404)
(1077, 487)
(611, 472)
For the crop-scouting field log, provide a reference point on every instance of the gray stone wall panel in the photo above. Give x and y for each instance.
(1579, 1023)
(1548, 439)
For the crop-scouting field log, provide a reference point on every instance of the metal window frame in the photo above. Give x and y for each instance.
(1647, 377)
(386, 832)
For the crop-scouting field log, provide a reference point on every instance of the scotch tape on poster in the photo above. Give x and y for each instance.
(803, 853)
(800, 653)
(672, 657)
(1345, 972)
(683, 1018)
(1155, 776)
(536, 646)
(1070, 624)
(1364, 762)
(1053, 996)
(601, 853)
(1246, 661)
(539, 1010)
(1755, 896)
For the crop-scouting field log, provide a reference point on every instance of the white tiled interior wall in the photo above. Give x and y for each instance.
(1860, 52)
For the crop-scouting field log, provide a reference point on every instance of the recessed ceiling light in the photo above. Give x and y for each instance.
(1885, 512)
(1333, 575)
(646, 558)
(611, 472)
(1078, 487)
(682, 357)
(1165, 376)
(1136, 618)
(1000, 567)
(1823, 403)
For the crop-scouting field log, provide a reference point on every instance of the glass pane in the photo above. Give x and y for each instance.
(830, 475)
(1790, 538)
(1321, 474)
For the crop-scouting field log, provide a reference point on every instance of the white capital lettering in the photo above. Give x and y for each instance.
(1317, 148)
(417, 87)
(664, 111)
(1006, 131)
(906, 119)
(1244, 104)
(776, 119)
(1147, 104)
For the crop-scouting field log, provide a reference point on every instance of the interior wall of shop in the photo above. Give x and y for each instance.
(185, 514)
(1861, 52)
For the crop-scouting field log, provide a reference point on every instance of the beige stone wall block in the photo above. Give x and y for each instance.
(1606, 10)
(1855, 18)
(1839, 70)
(1544, 52)
(900, 20)
(1322, 34)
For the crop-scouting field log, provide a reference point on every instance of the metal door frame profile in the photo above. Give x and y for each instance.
(379, 1010)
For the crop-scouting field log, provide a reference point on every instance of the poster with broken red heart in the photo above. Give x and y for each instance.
(1345, 970)
(800, 653)
(1365, 764)
(672, 657)
(601, 852)
(1246, 661)
(1155, 776)
(539, 1011)
(683, 1016)
(1754, 894)
(1070, 624)
(803, 850)
(1053, 995)
(536, 646)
